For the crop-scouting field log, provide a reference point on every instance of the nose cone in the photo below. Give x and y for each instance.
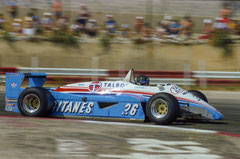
(217, 116)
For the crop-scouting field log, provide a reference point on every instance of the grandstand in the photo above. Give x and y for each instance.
(206, 8)
(126, 10)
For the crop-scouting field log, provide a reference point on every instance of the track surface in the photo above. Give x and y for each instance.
(22, 137)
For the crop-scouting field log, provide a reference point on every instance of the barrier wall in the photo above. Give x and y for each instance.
(63, 75)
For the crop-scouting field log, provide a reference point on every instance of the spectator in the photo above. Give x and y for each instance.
(139, 25)
(110, 24)
(17, 26)
(75, 28)
(187, 26)
(232, 24)
(238, 26)
(160, 30)
(28, 21)
(36, 20)
(34, 15)
(92, 28)
(57, 8)
(147, 31)
(166, 23)
(219, 24)
(62, 24)
(28, 25)
(174, 28)
(47, 21)
(2, 21)
(12, 8)
(207, 28)
(125, 30)
(226, 12)
(83, 16)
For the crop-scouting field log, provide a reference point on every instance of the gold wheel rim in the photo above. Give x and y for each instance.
(31, 103)
(162, 109)
(159, 108)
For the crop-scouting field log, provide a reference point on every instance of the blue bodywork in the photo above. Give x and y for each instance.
(66, 104)
(122, 105)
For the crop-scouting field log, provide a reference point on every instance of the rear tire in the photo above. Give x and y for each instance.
(162, 108)
(199, 95)
(35, 102)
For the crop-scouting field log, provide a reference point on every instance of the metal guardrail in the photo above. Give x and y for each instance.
(69, 75)
(105, 72)
(66, 71)
(216, 74)
(2, 79)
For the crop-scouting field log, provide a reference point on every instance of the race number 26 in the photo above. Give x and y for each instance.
(131, 109)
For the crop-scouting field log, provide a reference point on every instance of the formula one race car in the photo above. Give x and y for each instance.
(126, 99)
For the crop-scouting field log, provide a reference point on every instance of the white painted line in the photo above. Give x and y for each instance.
(130, 124)
(151, 126)
(143, 148)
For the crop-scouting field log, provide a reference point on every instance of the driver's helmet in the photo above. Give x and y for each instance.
(142, 80)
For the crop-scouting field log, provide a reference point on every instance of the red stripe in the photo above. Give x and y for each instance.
(217, 82)
(135, 92)
(86, 90)
(228, 134)
(70, 90)
(4, 70)
(195, 102)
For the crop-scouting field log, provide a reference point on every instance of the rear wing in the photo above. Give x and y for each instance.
(15, 80)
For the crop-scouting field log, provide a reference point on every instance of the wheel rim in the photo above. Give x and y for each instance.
(31, 103)
(159, 108)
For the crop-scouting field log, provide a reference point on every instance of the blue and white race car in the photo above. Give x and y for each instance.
(125, 99)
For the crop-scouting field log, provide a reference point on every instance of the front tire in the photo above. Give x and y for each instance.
(162, 108)
(35, 102)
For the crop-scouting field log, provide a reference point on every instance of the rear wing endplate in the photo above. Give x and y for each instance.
(15, 80)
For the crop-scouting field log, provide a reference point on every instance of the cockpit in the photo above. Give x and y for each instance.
(140, 80)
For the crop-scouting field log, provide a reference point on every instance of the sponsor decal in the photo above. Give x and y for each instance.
(9, 108)
(176, 90)
(10, 104)
(95, 86)
(115, 85)
(139, 87)
(74, 107)
(14, 74)
(14, 85)
(10, 100)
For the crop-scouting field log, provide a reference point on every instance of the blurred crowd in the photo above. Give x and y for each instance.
(169, 27)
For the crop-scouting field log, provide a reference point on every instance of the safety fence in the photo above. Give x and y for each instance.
(70, 75)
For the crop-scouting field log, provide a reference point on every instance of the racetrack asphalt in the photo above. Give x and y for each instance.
(23, 137)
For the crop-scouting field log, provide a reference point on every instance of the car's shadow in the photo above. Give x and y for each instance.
(195, 121)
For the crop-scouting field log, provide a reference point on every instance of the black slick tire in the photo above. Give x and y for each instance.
(44, 98)
(172, 108)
